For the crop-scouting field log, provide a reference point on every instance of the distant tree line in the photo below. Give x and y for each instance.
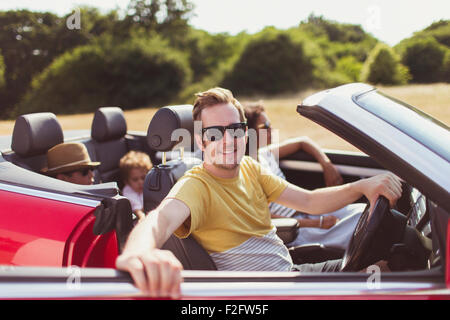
(150, 56)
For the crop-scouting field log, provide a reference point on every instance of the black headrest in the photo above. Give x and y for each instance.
(165, 121)
(36, 133)
(109, 124)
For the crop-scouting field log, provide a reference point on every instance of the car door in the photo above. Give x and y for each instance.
(303, 170)
(93, 283)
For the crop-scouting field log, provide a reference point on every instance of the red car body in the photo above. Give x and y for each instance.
(31, 234)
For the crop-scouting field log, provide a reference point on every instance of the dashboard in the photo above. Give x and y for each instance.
(417, 216)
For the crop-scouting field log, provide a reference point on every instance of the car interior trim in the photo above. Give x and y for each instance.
(343, 169)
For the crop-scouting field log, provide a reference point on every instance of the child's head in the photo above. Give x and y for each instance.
(133, 169)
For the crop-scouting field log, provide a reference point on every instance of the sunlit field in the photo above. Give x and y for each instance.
(433, 99)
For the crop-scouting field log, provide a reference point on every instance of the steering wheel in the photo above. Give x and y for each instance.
(368, 245)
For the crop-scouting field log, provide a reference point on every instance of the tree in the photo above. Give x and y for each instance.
(383, 66)
(30, 41)
(136, 73)
(335, 31)
(424, 57)
(25, 49)
(446, 67)
(350, 67)
(167, 17)
(270, 64)
(439, 30)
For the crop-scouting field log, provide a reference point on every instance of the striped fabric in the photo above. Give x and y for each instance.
(267, 160)
(267, 253)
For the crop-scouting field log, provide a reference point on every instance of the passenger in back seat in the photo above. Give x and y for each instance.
(70, 162)
(134, 166)
(333, 229)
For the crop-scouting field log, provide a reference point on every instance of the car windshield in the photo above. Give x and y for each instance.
(411, 121)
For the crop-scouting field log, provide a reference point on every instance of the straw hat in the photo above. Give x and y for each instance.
(66, 157)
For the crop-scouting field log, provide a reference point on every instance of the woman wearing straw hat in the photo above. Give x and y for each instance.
(70, 162)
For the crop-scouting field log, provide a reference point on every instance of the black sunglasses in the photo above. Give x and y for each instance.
(215, 133)
(84, 172)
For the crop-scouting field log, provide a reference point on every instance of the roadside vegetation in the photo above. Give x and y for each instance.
(150, 56)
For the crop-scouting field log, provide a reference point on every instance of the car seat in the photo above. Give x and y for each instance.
(163, 177)
(108, 143)
(33, 135)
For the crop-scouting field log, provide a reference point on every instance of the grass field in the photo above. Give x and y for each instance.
(433, 99)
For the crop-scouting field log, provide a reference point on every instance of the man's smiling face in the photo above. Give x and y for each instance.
(227, 152)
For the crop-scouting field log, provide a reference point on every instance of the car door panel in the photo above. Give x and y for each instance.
(303, 170)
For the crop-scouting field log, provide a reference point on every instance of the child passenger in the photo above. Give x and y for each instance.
(133, 168)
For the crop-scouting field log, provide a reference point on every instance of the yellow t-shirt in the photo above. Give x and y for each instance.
(227, 212)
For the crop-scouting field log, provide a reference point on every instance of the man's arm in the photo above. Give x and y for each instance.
(333, 198)
(154, 271)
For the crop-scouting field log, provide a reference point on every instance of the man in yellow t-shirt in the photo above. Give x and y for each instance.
(223, 203)
(230, 217)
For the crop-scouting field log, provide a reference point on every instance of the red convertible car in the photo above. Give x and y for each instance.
(60, 240)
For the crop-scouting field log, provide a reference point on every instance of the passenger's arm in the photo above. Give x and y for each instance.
(329, 199)
(290, 146)
(154, 271)
(327, 223)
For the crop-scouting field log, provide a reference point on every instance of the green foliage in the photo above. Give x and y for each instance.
(350, 67)
(108, 61)
(424, 57)
(132, 74)
(169, 18)
(439, 30)
(338, 40)
(334, 31)
(208, 51)
(337, 50)
(29, 42)
(446, 67)
(23, 42)
(383, 66)
(271, 63)
(425, 53)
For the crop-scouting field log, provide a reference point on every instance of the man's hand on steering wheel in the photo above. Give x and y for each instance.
(387, 185)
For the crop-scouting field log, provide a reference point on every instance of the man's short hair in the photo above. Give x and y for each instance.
(133, 160)
(214, 97)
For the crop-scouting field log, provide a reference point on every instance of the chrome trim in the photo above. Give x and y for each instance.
(71, 282)
(219, 289)
(65, 290)
(343, 169)
(270, 289)
(50, 195)
(345, 152)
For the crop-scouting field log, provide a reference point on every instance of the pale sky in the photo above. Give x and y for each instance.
(388, 20)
